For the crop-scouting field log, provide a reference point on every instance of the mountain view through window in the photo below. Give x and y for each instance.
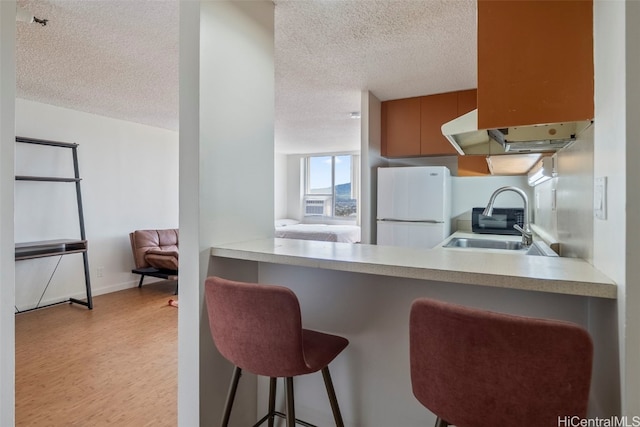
(332, 176)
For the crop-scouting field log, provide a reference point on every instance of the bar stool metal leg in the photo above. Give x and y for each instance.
(272, 400)
(337, 416)
(231, 396)
(441, 423)
(291, 412)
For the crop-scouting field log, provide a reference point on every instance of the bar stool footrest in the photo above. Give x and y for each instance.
(283, 416)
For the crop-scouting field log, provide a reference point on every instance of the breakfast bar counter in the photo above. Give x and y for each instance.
(483, 268)
(364, 293)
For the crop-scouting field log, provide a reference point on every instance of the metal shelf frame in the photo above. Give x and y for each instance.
(31, 250)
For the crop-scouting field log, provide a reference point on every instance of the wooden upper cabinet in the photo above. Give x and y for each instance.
(467, 101)
(470, 165)
(401, 127)
(412, 126)
(435, 110)
(473, 166)
(535, 62)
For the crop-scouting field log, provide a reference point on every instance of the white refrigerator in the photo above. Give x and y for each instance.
(414, 206)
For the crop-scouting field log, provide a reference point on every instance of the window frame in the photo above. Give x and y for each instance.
(332, 194)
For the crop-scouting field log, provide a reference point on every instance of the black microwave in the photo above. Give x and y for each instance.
(501, 222)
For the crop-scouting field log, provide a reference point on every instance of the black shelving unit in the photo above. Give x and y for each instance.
(59, 247)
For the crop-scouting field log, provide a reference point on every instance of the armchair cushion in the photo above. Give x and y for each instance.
(162, 259)
(155, 248)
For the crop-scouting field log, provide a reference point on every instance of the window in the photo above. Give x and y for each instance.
(331, 186)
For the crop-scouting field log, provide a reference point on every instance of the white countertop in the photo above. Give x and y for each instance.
(473, 267)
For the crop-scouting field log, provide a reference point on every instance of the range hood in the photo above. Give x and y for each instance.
(464, 135)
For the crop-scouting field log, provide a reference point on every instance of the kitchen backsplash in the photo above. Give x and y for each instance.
(570, 220)
(470, 192)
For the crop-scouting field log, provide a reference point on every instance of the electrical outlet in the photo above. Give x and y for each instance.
(100, 271)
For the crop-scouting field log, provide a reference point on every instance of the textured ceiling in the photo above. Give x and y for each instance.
(327, 52)
(114, 58)
(120, 59)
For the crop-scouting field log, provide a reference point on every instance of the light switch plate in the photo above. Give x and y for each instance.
(600, 197)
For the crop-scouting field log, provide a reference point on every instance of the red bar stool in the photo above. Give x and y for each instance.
(258, 328)
(476, 368)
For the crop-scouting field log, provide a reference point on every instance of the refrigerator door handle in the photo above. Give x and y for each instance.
(428, 221)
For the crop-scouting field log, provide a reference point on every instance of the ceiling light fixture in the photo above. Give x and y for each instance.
(543, 171)
(512, 164)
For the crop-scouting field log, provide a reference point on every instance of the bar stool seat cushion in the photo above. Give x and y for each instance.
(476, 368)
(266, 335)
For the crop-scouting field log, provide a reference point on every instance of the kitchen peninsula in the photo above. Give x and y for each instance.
(556, 275)
(364, 292)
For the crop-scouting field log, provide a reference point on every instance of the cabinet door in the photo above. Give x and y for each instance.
(470, 165)
(473, 166)
(436, 110)
(535, 62)
(467, 101)
(401, 127)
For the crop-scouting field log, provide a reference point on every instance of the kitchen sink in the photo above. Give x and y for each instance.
(463, 242)
(537, 248)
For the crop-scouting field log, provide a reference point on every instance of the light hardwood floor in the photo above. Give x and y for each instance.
(115, 365)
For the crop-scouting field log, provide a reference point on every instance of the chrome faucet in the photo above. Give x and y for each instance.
(527, 234)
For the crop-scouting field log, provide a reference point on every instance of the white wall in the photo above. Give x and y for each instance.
(610, 134)
(572, 221)
(7, 143)
(574, 196)
(280, 185)
(371, 159)
(294, 187)
(226, 177)
(191, 249)
(129, 181)
(236, 140)
(610, 156)
(631, 390)
(544, 212)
